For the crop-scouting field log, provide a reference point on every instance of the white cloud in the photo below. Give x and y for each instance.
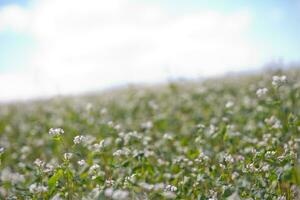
(14, 17)
(92, 44)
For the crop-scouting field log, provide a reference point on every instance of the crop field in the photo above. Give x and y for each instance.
(235, 137)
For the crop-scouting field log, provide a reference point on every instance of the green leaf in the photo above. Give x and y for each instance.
(53, 180)
(296, 175)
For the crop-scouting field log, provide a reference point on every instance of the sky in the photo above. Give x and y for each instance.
(61, 47)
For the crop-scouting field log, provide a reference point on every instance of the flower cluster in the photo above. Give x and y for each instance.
(56, 131)
(79, 139)
(262, 92)
(278, 80)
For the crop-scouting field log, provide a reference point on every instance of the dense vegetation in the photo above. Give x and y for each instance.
(224, 138)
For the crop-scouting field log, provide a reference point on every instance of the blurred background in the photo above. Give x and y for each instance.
(62, 47)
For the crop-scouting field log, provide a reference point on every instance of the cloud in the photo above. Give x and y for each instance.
(14, 17)
(94, 44)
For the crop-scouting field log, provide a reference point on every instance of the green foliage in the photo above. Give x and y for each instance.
(54, 179)
(227, 138)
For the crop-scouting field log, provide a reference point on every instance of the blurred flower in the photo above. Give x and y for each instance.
(281, 198)
(278, 80)
(120, 195)
(229, 104)
(147, 125)
(48, 168)
(171, 188)
(116, 194)
(6, 175)
(81, 162)
(39, 163)
(108, 192)
(229, 159)
(94, 167)
(1, 150)
(35, 188)
(122, 152)
(169, 195)
(56, 131)
(68, 156)
(273, 122)
(261, 92)
(79, 139)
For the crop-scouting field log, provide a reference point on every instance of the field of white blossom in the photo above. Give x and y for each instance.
(224, 138)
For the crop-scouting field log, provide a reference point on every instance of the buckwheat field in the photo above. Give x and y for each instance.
(223, 138)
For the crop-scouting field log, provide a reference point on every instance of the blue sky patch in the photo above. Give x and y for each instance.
(19, 2)
(15, 50)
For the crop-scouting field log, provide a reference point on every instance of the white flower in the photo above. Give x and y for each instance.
(278, 80)
(171, 188)
(281, 198)
(108, 192)
(152, 104)
(79, 139)
(229, 159)
(81, 162)
(35, 188)
(261, 92)
(25, 149)
(117, 194)
(212, 129)
(39, 163)
(110, 124)
(265, 168)
(99, 146)
(6, 175)
(234, 196)
(169, 195)
(229, 104)
(251, 168)
(270, 154)
(57, 197)
(202, 157)
(234, 175)
(103, 111)
(131, 178)
(89, 106)
(273, 122)
(200, 126)
(146, 186)
(94, 167)
(158, 186)
(120, 195)
(117, 126)
(56, 131)
(122, 152)
(168, 136)
(109, 182)
(277, 125)
(147, 125)
(68, 156)
(49, 168)
(222, 166)
(1, 150)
